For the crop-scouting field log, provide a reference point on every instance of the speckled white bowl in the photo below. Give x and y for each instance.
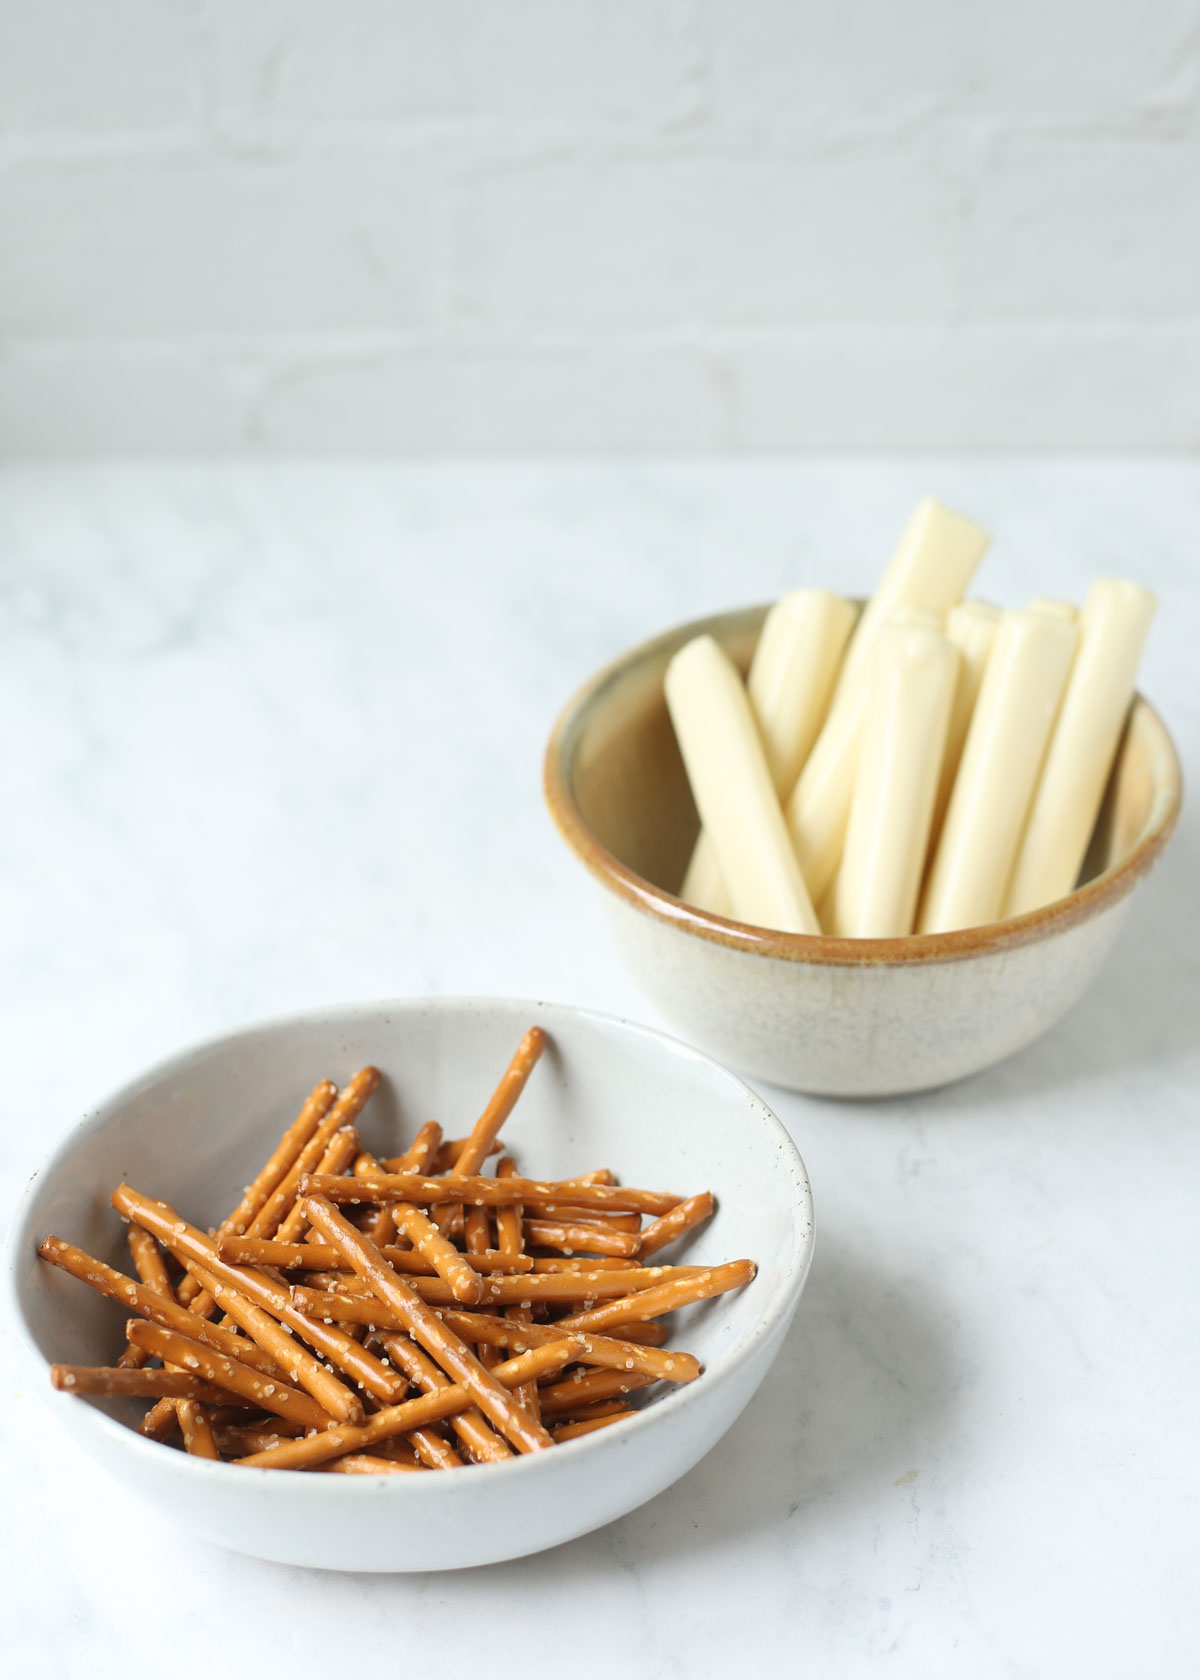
(840, 1017)
(606, 1093)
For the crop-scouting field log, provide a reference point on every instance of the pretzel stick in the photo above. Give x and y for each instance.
(237, 1439)
(600, 1221)
(476, 1230)
(568, 1431)
(680, 1292)
(500, 1105)
(562, 1399)
(400, 1451)
(433, 1451)
(399, 1420)
(471, 1427)
(487, 1192)
(598, 1409)
(462, 1281)
(287, 1257)
(339, 1153)
(452, 1354)
(151, 1269)
(650, 1334)
(198, 1438)
(267, 1181)
(188, 1243)
(675, 1224)
(584, 1262)
(160, 1421)
(424, 1154)
(280, 1163)
(571, 1239)
(160, 1309)
(504, 1291)
(619, 1355)
(229, 1374)
(370, 1464)
(510, 1235)
(348, 1105)
(382, 1228)
(285, 1349)
(144, 1384)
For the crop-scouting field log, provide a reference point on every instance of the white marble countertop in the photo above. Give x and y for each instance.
(271, 738)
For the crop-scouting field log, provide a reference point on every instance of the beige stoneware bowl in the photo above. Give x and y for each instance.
(841, 1017)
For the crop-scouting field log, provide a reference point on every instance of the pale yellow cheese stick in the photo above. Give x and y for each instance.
(1058, 609)
(970, 627)
(1112, 632)
(791, 679)
(899, 761)
(931, 568)
(733, 790)
(1023, 682)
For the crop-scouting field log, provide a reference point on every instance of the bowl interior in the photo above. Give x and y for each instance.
(621, 768)
(606, 1093)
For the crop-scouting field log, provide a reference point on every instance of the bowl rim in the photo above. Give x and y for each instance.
(832, 950)
(784, 1299)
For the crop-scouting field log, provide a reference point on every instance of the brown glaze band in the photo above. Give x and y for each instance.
(1098, 894)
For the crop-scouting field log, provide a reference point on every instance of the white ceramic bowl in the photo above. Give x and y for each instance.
(841, 1017)
(606, 1093)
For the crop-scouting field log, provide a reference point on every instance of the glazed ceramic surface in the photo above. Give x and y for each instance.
(839, 1017)
(606, 1093)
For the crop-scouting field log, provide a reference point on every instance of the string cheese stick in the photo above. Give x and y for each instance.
(1057, 609)
(791, 679)
(899, 763)
(970, 627)
(931, 568)
(1112, 632)
(1022, 684)
(733, 790)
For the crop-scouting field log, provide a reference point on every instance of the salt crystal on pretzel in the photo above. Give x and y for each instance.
(451, 1353)
(188, 1243)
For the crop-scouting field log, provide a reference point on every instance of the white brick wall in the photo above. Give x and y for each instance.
(630, 225)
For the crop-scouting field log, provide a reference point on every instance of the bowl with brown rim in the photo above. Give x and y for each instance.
(826, 1015)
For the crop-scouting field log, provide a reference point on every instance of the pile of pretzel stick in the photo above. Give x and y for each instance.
(359, 1315)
